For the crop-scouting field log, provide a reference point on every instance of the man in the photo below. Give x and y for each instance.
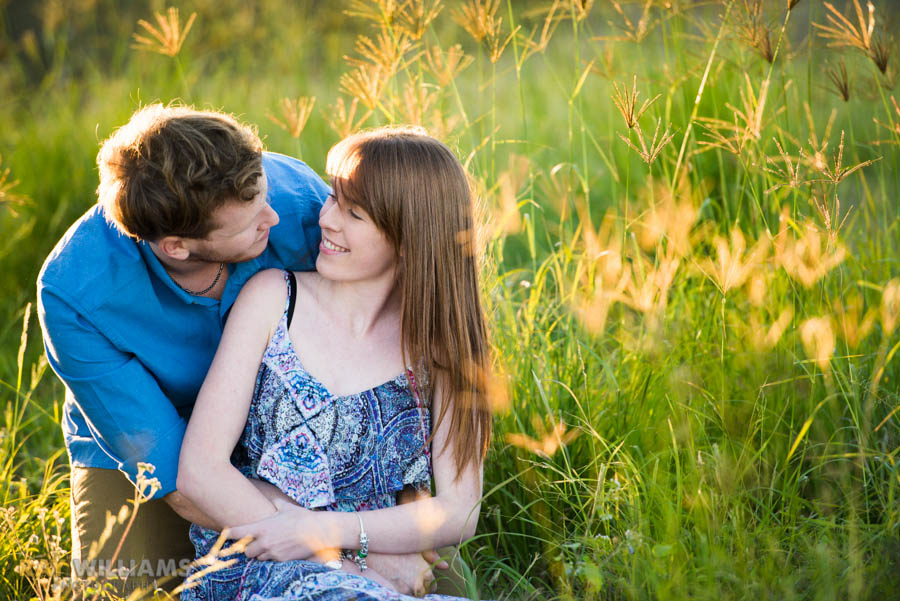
(132, 302)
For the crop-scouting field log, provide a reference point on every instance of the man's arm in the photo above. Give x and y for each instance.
(128, 414)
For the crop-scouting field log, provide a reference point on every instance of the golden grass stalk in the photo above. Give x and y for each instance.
(817, 336)
(551, 437)
(841, 31)
(670, 217)
(765, 339)
(582, 9)
(377, 11)
(754, 106)
(603, 248)
(342, 119)
(789, 174)
(809, 257)
(626, 103)
(890, 306)
(830, 216)
(608, 276)
(479, 18)
(893, 127)
(445, 66)
(647, 284)
(294, 114)
(757, 286)
(416, 16)
(387, 51)
(532, 47)
(747, 121)
(651, 152)
(889, 315)
(817, 158)
(853, 325)
(633, 32)
(734, 263)
(8, 196)
(168, 38)
(836, 173)
(416, 101)
(506, 216)
(366, 83)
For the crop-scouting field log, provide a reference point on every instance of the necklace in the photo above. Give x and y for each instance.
(208, 288)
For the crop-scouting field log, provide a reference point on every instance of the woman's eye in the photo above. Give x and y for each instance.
(355, 215)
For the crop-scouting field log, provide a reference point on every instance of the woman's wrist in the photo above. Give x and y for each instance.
(343, 530)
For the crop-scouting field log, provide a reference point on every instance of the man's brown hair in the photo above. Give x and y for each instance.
(169, 168)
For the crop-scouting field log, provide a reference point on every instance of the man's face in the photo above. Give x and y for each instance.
(242, 230)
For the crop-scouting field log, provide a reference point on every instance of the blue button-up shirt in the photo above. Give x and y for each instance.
(131, 346)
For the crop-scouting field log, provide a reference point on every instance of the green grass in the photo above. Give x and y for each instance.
(696, 464)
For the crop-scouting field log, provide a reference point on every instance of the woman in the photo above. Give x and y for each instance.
(328, 387)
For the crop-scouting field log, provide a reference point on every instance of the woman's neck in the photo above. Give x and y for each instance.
(360, 307)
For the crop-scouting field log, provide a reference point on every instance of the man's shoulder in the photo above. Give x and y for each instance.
(91, 257)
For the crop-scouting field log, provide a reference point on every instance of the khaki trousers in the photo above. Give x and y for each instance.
(153, 552)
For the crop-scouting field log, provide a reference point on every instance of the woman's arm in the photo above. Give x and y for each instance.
(447, 518)
(205, 474)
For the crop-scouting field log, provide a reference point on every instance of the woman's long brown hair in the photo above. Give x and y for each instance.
(418, 195)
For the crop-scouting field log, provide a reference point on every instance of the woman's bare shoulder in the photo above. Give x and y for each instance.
(265, 283)
(307, 282)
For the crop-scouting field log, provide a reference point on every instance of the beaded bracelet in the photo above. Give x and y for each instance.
(359, 558)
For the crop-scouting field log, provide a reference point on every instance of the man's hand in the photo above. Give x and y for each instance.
(410, 573)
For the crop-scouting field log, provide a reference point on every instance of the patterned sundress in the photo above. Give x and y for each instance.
(326, 452)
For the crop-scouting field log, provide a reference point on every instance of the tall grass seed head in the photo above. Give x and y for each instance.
(817, 336)
(168, 38)
(890, 306)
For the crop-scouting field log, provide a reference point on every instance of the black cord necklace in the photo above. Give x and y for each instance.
(208, 288)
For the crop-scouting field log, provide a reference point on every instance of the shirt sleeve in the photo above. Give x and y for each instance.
(128, 414)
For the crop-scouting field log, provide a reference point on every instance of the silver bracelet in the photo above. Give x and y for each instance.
(360, 556)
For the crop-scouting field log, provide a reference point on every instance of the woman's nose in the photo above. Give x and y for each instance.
(328, 217)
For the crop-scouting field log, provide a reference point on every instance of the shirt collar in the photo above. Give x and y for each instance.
(157, 268)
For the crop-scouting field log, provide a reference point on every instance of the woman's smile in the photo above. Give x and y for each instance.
(330, 248)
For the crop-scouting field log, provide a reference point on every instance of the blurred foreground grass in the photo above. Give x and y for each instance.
(695, 329)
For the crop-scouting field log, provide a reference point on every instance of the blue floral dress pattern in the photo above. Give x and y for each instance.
(326, 452)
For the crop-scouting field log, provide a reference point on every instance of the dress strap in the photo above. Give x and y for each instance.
(292, 296)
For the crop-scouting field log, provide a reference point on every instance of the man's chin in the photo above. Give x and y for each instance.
(249, 255)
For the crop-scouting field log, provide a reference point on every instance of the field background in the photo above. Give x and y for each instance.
(695, 339)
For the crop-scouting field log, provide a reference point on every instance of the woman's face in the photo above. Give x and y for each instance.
(352, 247)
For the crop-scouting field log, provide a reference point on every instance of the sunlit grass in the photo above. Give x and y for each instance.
(695, 330)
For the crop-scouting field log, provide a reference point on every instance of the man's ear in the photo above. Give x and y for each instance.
(174, 247)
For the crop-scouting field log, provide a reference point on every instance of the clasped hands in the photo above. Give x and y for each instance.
(278, 538)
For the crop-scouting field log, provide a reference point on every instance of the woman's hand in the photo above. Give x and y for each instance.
(293, 532)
